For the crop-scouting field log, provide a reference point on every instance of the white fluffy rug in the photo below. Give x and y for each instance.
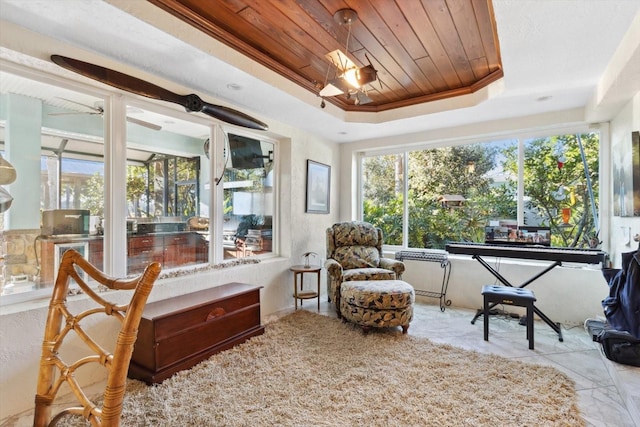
(312, 370)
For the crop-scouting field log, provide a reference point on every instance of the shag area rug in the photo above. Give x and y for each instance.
(312, 370)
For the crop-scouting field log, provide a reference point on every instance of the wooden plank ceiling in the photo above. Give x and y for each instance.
(423, 50)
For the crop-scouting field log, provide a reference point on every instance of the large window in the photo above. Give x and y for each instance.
(80, 184)
(561, 175)
(453, 193)
(160, 180)
(248, 197)
(55, 143)
(164, 186)
(383, 194)
(167, 220)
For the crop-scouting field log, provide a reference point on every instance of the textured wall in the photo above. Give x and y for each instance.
(622, 227)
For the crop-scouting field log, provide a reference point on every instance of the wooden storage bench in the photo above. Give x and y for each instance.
(177, 333)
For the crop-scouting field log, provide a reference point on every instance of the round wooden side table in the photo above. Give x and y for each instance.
(299, 271)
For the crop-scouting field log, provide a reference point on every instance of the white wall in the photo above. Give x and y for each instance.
(622, 125)
(567, 294)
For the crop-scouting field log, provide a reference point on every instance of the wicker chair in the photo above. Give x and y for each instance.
(54, 372)
(354, 252)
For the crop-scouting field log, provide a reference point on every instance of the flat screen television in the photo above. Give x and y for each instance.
(246, 153)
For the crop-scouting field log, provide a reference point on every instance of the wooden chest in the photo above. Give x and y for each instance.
(177, 333)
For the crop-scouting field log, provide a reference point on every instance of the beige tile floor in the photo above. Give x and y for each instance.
(608, 393)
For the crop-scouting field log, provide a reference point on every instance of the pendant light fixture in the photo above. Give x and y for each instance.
(7, 176)
(350, 79)
(7, 172)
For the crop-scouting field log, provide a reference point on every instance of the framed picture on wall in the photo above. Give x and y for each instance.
(318, 187)
(626, 176)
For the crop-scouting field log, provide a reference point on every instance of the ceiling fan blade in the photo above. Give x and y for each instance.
(95, 110)
(75, 113)
(128, 83)
(99, 110)
(129, 119)
(143, 123)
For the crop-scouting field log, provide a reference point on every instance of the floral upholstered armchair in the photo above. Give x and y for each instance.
(354, 252)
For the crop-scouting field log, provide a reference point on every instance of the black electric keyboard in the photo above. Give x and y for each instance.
(544, 253)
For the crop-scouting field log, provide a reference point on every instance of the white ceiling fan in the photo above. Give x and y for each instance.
(99, 110)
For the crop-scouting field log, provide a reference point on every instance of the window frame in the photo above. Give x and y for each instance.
(521, 135)
(115, 161)
(221, 146)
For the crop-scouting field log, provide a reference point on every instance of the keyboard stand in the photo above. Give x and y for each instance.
(536, 310)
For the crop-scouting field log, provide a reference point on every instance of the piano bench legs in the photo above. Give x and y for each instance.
(506, 295)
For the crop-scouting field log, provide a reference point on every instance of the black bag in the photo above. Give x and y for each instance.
(619, 346)
(622, 306)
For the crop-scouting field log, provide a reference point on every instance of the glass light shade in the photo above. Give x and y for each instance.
(5, 200)
(352, 77)
(358, 77)
(331, 89)
(362, 98)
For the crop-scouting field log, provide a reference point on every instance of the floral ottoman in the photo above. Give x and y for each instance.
(377, 303)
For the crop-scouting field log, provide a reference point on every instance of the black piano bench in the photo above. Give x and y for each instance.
(507, 295)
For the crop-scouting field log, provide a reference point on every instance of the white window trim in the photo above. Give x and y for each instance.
(115, 164)
(520, 136)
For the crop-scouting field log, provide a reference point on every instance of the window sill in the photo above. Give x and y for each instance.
(529, 262)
